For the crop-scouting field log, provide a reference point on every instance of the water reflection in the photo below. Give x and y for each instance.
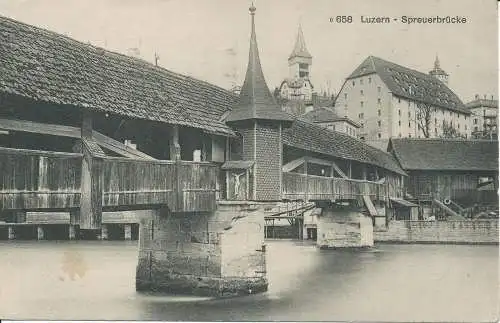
(389, 282)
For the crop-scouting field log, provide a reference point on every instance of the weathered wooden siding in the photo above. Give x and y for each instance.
(197, 184)
(138, 182)
(39, 180)
(458, 186)
(311, 187)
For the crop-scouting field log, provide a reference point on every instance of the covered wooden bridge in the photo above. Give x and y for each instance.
(86, 130)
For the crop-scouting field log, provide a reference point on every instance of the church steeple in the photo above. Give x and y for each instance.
(438, 72)
(300, 49)
(300, 60)
(256, 100)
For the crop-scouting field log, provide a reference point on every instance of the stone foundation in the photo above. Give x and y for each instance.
(207, 254)
(344, 227)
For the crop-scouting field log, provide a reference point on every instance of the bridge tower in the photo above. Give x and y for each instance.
(260, 120)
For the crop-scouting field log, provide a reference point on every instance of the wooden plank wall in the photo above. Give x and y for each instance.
(197, 182)
(138, 182)
(39, 180)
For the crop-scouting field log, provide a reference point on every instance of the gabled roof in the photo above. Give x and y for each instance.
(45, 66)
(445, 154)
(325, 114)
(255, 100)
(410, 84)
(311, 137)
(300, 49)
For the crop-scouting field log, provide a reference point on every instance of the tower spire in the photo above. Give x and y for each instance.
(256, 101)
(300, 49)
(436, 63)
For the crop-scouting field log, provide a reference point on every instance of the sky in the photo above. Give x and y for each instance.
(209, 39)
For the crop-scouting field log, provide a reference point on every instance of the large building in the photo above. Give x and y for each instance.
(328, 118)
(389, 100)
(484, 117)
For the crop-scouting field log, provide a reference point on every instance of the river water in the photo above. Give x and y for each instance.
(95, 280)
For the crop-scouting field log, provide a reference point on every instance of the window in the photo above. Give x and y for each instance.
(435, 121)
(399, 122)
(379, 135)
(475, 128)
(353, 83)
(379, 89)
(436, 130)
(409, 114)
(362, 125)
(409, 135)
(379, 101)
(361, 92)
(465, 127)
(361, 115)
(399, 100)
(399, 135)
(361, 103)
(409, 124)
(458, 126)
(409, 103)
(379, 112)
(345, 96)
(361, 81)
(379, 123)
(475, 121)
(369, 80)
(399, 111)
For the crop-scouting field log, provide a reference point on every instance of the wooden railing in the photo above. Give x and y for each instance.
(305, 187)
(31, 179)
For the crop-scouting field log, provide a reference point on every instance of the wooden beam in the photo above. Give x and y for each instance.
(337, 168)
(175, 148)
(293, 164)
(72, 132)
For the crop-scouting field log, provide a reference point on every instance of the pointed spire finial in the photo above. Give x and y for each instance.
(252, 9)
(436, 62)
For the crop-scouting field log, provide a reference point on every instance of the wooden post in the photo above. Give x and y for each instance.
(175, 154)
(127, 230)
(92, 178)
(71, 232)
(104, 232)
(39, 233)
(307, 179)
(349, 174)
(12, 233)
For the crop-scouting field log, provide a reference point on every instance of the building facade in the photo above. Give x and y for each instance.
(484, 117)
(326, 117)
(389, 100)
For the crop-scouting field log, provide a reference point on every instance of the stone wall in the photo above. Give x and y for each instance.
(344, 227)
(215, 254)
(466, 232)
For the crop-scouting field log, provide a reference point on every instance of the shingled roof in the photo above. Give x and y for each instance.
(410, 84)
(43, 65)
(445, 154)
(255, 100)
(309, 136)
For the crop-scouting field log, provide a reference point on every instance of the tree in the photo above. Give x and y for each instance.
(450, 132)
(423, 116)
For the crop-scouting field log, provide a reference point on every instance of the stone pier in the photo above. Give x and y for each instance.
(343, 226)
(208, 254)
